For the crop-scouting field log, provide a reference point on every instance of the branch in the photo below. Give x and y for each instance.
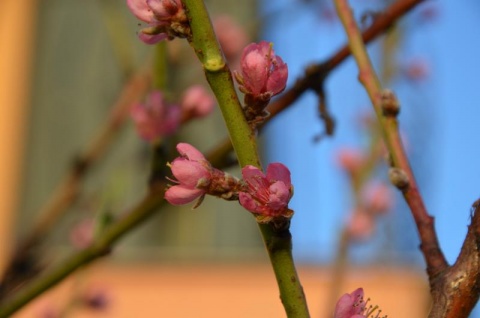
(277, 242)
(386, 108)
(100, 247)
(316, 74)
(67, 190)
(456, 292)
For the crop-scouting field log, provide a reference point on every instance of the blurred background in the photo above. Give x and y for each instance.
(63, 65)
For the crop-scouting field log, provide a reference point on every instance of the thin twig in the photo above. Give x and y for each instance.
(387, 118)
(99, 248)
(317, 73)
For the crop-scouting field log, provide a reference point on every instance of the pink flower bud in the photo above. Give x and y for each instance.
(267, 195)
(155, 118)
(350, 305)
(166, 19)
(196, 177)
(263, 74)
(197, 102)
(193, 173)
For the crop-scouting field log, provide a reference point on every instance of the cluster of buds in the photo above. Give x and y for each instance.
(265, 195)
(263, 75)
(157, 118)
(166, 19)
(353, 305)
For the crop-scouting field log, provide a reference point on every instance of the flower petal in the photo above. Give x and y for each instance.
(164, 9)
(279, 172)
(350, 305)
(152, 38)
(278, 78)
(189, 151)
(141, 10)
(188, 172)
(179, 195)
(279, 196)
(249, 203)
(255, 64)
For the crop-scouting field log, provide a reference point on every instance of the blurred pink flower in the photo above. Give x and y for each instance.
(417, 69)
(231, 36)
(155, 118)
(193, 173)
(378, 197)
(197, 102)
(263, 74)
(360, 225)
(82, 234)
(267, 195)
(166, 19)
(351, 305)
(350, 159)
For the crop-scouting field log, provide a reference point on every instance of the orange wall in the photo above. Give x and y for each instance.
(235, 291)
(17, 19)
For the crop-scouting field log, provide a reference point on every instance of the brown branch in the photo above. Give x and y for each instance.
(386, 107)
(455, 289)
(456, 292)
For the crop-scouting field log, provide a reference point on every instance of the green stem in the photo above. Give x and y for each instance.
(205, 44)
(160, 67)
(278, 243)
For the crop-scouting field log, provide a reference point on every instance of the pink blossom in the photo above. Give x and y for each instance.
(196, 177)
(350, 159)
(267, 195)
(197, 102)
(350, 305)
(263, 74)
(231, 36)
(166, 19)
(193, 173)
(155, 118)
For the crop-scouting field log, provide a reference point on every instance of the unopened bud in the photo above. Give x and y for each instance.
(390, 105)
(398, 178)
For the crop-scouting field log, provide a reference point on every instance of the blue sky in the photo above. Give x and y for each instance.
(439, 117)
